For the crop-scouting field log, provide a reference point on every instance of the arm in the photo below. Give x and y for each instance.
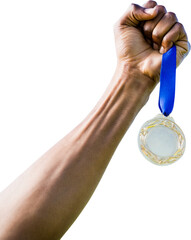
(47, 198)
(44, 201)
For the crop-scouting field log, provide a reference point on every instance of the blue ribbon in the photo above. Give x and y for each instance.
(167, 82)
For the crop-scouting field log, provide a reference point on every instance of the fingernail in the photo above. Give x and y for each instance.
(162, 50)
(149, 10)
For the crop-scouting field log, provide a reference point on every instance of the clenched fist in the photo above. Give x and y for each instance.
(143, 34)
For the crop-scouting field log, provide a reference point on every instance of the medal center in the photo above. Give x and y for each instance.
(162, 141)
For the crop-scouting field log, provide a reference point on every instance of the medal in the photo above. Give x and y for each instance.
(160, 139)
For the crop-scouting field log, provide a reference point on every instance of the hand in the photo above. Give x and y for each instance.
(143, 34)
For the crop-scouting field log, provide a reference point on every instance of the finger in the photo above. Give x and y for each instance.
(150, 4)
(150, 25)
(177, 36)
(163, 26)
(135, 14)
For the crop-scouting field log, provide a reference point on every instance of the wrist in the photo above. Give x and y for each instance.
(130, 73)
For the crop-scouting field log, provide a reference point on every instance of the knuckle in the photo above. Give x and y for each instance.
(153, 2)
(167, 41)
(150, 3)
(147, 30)
(133, 7)
(156, 36)
(161, 9)
(171, 16)
(179, 26)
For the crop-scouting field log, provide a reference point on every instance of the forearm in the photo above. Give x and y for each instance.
(47, 198)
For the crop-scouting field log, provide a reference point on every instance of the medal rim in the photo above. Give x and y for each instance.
(168, 122)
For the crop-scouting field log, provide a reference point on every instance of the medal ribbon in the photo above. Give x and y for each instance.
(167, 82)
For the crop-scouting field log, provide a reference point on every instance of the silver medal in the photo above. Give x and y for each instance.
(161, 140)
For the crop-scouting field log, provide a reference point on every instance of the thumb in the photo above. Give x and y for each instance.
(135, 14)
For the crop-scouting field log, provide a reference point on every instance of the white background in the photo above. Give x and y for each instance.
(56, 59)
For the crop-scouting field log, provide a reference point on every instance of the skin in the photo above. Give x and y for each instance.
(47, 198)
